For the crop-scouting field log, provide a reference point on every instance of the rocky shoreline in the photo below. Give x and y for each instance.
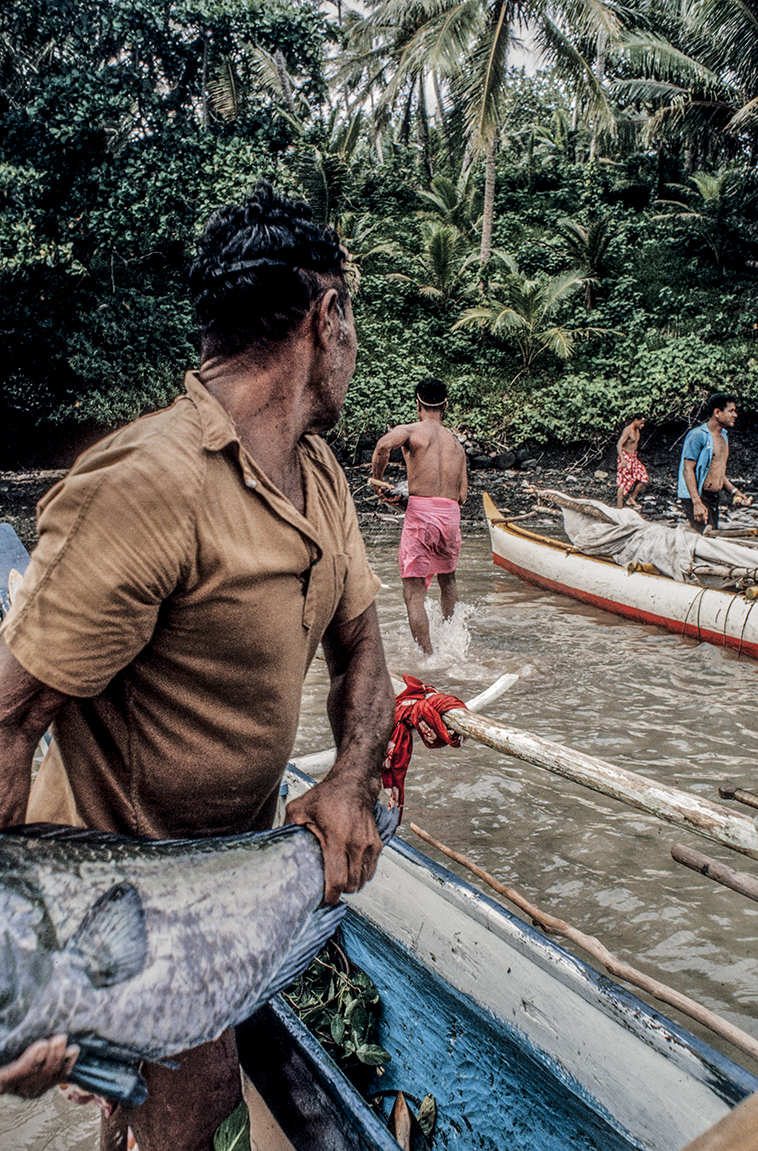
(588, 475)
(510, 478)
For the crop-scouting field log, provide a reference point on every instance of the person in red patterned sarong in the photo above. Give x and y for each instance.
(631, 473)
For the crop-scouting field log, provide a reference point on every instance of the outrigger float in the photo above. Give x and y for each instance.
(524, 1046)
(717, 616)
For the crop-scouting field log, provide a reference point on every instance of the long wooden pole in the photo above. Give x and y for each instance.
(702, 816)
(599, 951)
(719, 872)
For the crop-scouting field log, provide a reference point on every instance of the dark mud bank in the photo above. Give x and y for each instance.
(514, 488)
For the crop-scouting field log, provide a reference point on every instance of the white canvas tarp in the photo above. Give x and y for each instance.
(623, 535)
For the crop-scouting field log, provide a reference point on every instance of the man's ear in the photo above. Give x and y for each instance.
(327, 316)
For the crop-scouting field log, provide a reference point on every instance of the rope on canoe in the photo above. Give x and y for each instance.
(697, 599)
(744, 625)
(418, 707)
(726, 620)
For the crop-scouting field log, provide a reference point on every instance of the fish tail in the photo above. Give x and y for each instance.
(387, 820)
(116, 1079)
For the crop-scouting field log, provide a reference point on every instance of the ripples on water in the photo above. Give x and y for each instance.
(680, 712)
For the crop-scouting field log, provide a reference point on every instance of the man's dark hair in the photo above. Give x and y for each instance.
(718, 401)
(431, 393)
(259, 267)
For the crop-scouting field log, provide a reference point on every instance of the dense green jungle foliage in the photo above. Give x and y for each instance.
(564, 249)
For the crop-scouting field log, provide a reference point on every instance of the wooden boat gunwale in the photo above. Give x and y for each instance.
(422, 906)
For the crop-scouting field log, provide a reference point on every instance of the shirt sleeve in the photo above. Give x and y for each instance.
(113, 541)
(694, 444)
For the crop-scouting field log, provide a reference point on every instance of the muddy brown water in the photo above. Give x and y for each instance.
(680, 712)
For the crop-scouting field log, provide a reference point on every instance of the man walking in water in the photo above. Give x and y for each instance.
(702, 469)
(631, 473)
(437, 487)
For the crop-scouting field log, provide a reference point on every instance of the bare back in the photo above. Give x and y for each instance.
(435, 461)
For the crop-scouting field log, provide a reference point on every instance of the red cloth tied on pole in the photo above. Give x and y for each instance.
(421, 707)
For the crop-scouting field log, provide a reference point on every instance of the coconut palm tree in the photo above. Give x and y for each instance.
(707, 208)
(525, 313)
(468, 44)
(451, 202)
(373, 66)
(698, 82)
(440, 269)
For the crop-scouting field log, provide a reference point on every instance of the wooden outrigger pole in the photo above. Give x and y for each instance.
(701, 816)
(593, 946)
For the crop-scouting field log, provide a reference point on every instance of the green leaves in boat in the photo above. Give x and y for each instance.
(234, 1133)
(340, 1005)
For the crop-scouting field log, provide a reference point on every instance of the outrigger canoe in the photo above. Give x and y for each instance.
(725, 618)
(523, 1045)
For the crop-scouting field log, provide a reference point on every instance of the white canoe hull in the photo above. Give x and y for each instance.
(724, 618)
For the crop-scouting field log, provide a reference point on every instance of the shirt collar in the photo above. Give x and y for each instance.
(218, 428)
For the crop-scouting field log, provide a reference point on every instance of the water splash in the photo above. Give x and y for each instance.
(451, 638)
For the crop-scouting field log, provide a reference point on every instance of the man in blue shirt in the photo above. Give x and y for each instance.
(702, 469)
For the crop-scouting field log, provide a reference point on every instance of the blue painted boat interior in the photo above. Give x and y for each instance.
(13, 554)
(491, 1095)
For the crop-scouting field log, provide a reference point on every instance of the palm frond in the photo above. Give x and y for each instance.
(664, 61)
(222, 92)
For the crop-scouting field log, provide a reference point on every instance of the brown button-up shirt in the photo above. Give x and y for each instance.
(178, 597)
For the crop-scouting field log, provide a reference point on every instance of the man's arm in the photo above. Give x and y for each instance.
(340, 809)
(26, 709)
(396, 438)
(620, 446)
(738, 497)
(463, 485)
(699, 510)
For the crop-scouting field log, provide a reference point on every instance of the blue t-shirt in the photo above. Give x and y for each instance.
(698, 446)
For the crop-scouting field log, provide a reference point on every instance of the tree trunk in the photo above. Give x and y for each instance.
(489, 200)
(405, 127)
(599, 70)
(204, 85)
(443, 120)
(377, 132)
(423, 128)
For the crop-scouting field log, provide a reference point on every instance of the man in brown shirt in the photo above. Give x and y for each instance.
(188, 567)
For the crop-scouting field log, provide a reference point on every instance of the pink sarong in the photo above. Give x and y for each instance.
(431, 539)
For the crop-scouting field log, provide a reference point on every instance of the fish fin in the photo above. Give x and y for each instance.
(321, 924)
(61, 831)
(112, 937)
(387, 820)
(115, 1077)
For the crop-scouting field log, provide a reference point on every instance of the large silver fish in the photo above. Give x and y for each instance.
(141, 949)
